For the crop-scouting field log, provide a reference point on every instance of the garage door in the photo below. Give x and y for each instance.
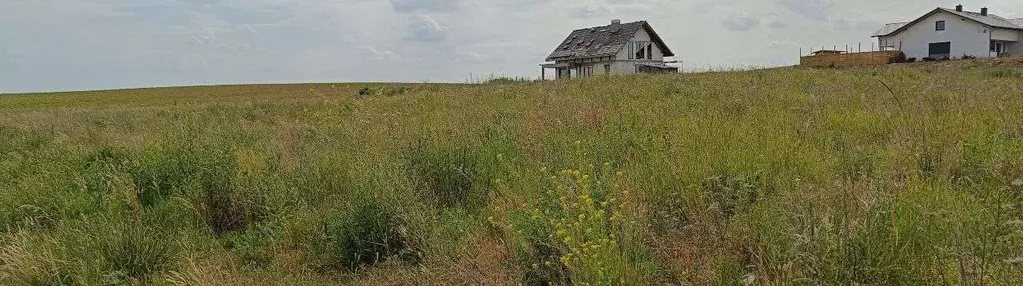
(940, 50)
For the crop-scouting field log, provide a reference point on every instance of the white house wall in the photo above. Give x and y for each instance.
(967, 37)
(624, 65)
(1016, 49)
(1005, 35)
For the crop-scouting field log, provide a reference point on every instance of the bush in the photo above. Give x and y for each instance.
(1006, 73)
(448, 174)
(133, 252)
(732, 194)
(901, 58)
(911, 60)
(378, 91)
(968, 57)
(507, 80)
(202, 174)
(577, 233)
(365, 233)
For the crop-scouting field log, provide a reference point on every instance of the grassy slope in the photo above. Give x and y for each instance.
(787, 175)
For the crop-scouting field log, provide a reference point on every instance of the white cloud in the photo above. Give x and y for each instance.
(741, 22)
(66, 45)
(412, 6)
(588, 11)
(423, 28)
(817, 10)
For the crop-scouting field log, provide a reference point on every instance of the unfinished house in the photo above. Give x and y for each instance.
(618, 49)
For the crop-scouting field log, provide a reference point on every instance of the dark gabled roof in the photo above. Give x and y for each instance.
(990, 20)
(603, 41)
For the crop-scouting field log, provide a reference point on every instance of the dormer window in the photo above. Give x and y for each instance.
(939, 26)
(640, 50)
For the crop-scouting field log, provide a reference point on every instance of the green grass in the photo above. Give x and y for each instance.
(783, 176)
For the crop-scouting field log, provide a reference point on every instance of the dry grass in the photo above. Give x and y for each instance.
(784, 176)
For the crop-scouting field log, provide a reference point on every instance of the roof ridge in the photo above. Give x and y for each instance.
(605, 26)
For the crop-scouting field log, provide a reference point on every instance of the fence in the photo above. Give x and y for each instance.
(851, 59)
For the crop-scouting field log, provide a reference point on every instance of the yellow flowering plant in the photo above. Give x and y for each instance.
(578, 229)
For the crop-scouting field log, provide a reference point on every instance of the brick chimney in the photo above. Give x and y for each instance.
(983, 11)
(959, 8)
(616, 25)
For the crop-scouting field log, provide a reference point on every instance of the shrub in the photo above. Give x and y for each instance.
(911, 60)
(378, 91)
(364, 233)
(135, 252)
(732, 194)
(507, 80)
(901, 58)
(204, 175)
(968, 57)
(1006, 73)
(366, 91)
(576, 233)
(448, 174)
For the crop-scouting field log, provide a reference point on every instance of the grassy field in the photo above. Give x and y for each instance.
(903, 175)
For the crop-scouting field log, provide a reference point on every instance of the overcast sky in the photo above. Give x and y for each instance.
(98, 44)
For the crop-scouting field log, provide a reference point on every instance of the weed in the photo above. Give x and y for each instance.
(448, 174)
(363, 234)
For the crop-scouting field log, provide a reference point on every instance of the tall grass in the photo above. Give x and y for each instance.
(900, 175)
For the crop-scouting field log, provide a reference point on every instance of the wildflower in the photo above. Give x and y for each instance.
(1014, 223)
(1018, 182)
(577, 142)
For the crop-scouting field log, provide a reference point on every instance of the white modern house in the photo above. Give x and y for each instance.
(614, 49)
(954, 33)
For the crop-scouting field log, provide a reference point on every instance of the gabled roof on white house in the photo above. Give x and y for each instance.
(1017, 22)
(889, 28)
(603, 41)
(990, 20)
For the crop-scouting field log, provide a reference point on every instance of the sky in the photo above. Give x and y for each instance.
(60, 45)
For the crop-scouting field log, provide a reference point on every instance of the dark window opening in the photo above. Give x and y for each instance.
(940, 50)
(640, 50)
(939, 26)
(607, 69)
(649, 51)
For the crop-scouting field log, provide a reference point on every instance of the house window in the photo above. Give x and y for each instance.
(649, 51)
(939, 26)
(641, 48)
(939, 50)
(632, 50)
(607, 69)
